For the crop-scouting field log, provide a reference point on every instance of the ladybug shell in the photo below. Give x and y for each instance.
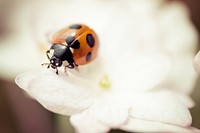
(82, 41)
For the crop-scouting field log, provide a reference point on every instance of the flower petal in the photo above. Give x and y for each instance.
(140, 72)
(160, 106)
(111, 109)
(185, 99)
(61, 94)
(86, 123)
(139, 125)
(179, 39)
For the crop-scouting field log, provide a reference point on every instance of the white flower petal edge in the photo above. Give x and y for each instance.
(86, 123)
(108, 112)
(179, 39)
(139, 125)
(111, 109)
(116, 109)
(185, 99)
(160, 106)
(59, 94)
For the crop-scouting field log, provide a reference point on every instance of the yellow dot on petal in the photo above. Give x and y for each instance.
(104, 82)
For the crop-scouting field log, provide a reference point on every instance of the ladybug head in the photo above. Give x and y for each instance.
(55, 62)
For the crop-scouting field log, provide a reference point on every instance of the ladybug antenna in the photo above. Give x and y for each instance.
(47, 54)
(46, 64)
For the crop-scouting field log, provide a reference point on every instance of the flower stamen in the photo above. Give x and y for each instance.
(104, 82)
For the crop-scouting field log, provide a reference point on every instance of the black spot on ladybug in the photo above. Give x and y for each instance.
(90, 40)
(70, 39)
(75, 45)
(88, 56)
(75, 26)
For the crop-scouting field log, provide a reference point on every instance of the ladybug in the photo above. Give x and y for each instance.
(76, 44)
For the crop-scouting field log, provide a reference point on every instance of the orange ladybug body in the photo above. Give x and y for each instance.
(77, 44)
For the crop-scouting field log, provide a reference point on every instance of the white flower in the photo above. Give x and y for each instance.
(142, 77)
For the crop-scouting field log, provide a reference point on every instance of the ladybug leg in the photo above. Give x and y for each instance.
(65, 69)
(56, 70)
(48, 65)
(76, 66)
(71, 65)
(47, 53)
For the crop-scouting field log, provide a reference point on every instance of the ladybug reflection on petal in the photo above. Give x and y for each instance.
(77, 44)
